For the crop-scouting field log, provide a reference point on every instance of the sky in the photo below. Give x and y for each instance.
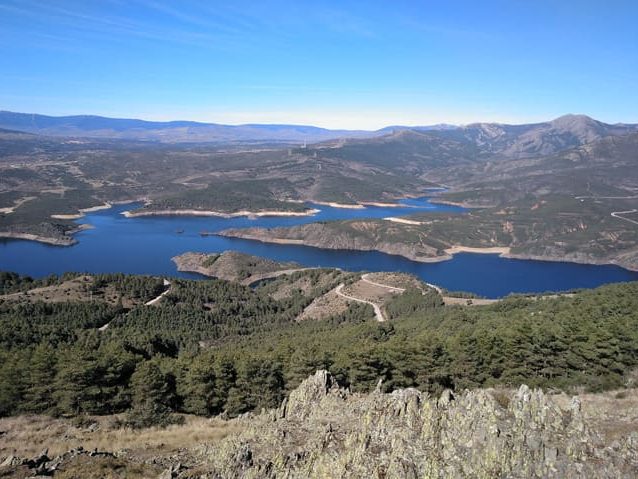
(336, 64)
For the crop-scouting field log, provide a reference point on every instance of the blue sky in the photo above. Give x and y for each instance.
(333, 63)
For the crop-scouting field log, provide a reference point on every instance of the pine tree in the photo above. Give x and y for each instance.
(12, 386)
(198, 387)
(41, 378)
(76, 389)
(151, 397)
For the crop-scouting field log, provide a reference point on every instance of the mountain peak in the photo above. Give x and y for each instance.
(573, 119)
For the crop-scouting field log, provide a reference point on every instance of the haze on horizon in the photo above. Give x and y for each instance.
(333, 64)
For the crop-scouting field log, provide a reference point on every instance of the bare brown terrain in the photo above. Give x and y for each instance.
(325, 306)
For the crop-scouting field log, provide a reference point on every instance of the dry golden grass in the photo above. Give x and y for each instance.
(303, 284)
(612, 414)
(77, 289)
(27, 436)
(106, 468)
(370, 292)
(396, 280)
(330, 304)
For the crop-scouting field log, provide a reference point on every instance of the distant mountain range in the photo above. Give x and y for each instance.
(510, 141)
(170, 132)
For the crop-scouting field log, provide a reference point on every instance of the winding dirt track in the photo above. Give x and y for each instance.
(364, 277)
(377, 310)
(272, 275)
(616, 214)
(159, 298)
(448, 300)
(152, 302)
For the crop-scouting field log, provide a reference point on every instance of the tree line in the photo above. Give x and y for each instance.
(216, 347)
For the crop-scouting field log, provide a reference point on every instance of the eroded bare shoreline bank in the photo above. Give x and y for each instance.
(449, 252)
(136, 214)
(67, 240)
(502, 251)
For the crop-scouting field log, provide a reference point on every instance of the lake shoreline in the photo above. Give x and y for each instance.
(556, 259)
(310, 212)
(461, 204)
(404, 221)
(82, 212)
(38, 239)
(416, 257)
(502, 251)
(67, 240)
(219, 214)
(361, 205)
(332, 204)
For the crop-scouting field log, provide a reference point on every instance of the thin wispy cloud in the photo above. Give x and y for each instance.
(193, 25)
(463, 60)
(117, 27)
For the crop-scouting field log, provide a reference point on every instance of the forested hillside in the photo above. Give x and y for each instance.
(214, 346)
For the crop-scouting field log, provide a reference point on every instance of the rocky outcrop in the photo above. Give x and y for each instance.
(323, 431)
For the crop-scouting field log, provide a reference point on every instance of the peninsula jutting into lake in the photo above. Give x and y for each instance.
(120, 244)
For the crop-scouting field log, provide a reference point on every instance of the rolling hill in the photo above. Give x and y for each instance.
(170, 132)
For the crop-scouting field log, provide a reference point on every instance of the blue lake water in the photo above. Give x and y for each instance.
(145, 245)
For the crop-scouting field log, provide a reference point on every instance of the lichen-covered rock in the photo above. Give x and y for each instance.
(322, 431)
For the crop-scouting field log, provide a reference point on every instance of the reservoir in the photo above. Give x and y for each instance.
(145, 245)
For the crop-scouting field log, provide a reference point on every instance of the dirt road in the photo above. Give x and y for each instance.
(377, 310)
